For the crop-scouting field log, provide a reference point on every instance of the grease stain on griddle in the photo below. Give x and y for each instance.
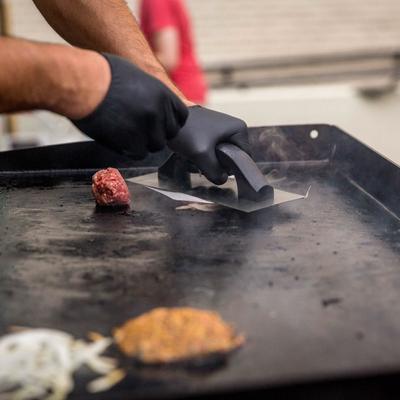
(360, 335)
(101, 247)
(281, 269)
(331, 301)
(120, 209)
(96, 277)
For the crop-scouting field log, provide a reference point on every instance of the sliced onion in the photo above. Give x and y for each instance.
(36, 362)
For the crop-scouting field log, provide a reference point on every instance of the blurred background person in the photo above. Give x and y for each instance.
(168, 28)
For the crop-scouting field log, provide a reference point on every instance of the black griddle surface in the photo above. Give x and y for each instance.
(314, 284)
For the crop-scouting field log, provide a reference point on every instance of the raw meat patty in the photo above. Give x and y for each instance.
(109, 188)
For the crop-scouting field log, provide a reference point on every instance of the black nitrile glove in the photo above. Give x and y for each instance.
(204, 129)
(138, 115)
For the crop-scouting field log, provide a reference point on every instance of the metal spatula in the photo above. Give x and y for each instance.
(246, 189)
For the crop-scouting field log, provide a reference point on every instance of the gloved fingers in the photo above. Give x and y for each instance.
(156, 143)
(175, 116)
(132, 145)
(241, 139)
(210, 167)
(192, 168)
(137, 154)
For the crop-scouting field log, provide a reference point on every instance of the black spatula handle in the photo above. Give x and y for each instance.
(250, 181)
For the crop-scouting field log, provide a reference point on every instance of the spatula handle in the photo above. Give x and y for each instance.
(250, 181)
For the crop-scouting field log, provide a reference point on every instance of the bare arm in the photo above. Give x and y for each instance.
(62, 79)
(166, 47)
(108, 26)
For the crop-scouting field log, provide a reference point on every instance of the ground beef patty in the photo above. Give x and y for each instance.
(166, 335)
(109, 188)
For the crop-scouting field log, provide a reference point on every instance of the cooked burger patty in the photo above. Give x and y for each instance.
(166, 335)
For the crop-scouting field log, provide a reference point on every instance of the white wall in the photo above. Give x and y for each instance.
(374, 122)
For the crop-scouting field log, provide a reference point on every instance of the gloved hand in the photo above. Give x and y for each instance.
(204, 129)
(138, 115)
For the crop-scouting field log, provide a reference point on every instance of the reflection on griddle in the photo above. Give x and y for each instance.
(226, 194)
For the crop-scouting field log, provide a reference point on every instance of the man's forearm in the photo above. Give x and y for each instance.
(108, 26)
(58, 78)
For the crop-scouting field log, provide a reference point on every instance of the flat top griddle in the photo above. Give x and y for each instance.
(314, 284)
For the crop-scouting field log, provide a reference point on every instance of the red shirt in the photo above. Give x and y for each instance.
(160, 14)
